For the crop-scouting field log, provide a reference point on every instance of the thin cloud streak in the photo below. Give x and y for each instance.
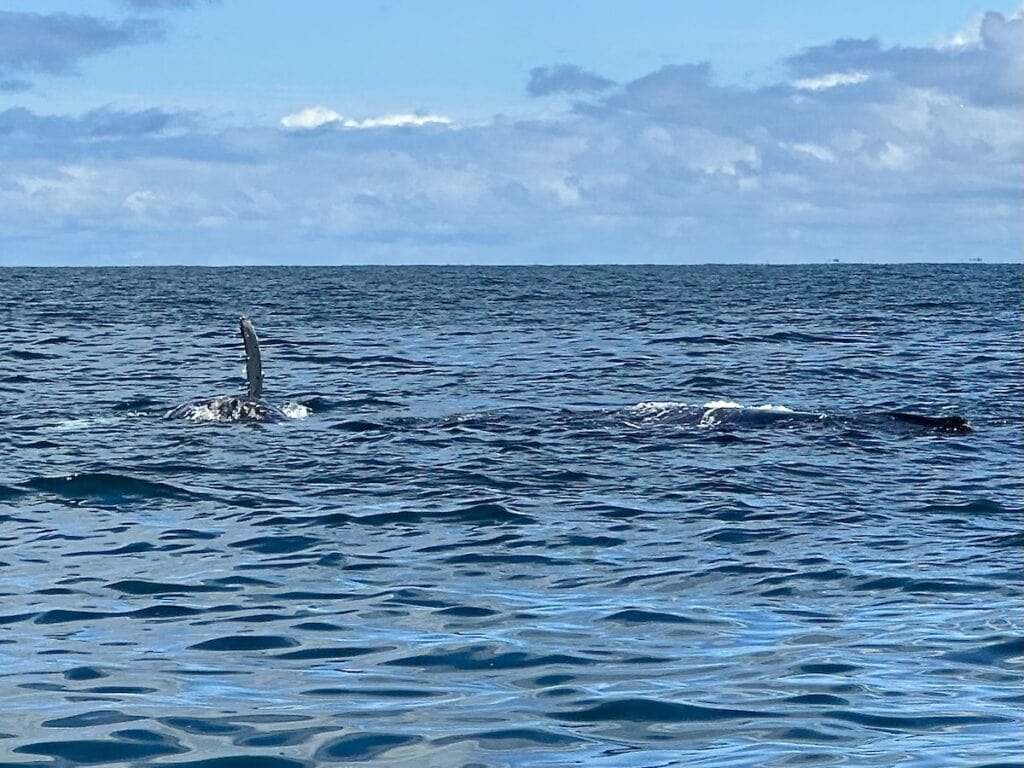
(320, 116)
(155, 6)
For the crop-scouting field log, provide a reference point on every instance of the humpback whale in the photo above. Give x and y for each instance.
(233, 408)
(726, 414)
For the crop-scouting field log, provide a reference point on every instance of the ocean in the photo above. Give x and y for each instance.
(517, 516)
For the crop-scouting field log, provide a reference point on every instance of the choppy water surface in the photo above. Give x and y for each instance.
(534, 517)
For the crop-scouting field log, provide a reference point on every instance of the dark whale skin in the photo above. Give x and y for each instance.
(953, 423)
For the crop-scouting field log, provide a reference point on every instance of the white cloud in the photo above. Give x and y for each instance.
(925, 160)
(397, 120)
(311, 117)
(971, 33)
(67, 189)
(893, 157)
(984, 66)
(141, 201)
(968, 35)
(816, 151)
(319, 115)
(831, 80)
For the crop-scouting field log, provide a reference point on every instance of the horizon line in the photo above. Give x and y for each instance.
(519, 265)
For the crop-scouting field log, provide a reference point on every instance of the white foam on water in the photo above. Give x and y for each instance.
(296, 410)
(712, 415)
(655, 407)
(716, 404)
(713, 409)
(71, 425)
(773, 408)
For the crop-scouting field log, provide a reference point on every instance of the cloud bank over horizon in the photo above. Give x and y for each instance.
(859, 151)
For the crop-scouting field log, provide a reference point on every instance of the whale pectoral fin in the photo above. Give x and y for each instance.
(253, 362)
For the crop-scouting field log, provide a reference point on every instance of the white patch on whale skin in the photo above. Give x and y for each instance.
(208, 411)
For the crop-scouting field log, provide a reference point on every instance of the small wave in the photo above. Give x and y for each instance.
(366, 361)
(715, 341)
(53, 340)
(81, 423)
(488, 513)
(243, 643)
(915, 723)
(364, 747)
(38, 445)
(321, 404)
(813, 338)
(320, 359)
(135, 405)
(967, 509)
(119, 750)
(21, 378)
(359, 425)
(514, 739)
(483, 656)
(768, 338)
(145, 587)
(655, 711)
(638, 616)
(25, 354)
(997, 650)
(107, 486)
(7, 492)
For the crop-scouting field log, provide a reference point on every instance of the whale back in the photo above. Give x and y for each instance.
(253, 363)
(950, 423)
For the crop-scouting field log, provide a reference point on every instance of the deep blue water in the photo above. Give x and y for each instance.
(511, 531)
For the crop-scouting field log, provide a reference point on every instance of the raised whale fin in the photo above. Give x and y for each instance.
(253, 363)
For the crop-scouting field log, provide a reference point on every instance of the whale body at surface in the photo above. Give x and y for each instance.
(233, 408)
(228, 408)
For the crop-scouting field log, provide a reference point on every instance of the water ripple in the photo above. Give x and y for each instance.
(576, 516)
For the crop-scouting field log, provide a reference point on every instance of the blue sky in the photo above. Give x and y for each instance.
(192, 131)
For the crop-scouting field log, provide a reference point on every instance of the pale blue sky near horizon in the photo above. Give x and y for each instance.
(169, 131)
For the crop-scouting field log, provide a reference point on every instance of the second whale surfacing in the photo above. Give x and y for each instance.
(233, 408)
(726, 414)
